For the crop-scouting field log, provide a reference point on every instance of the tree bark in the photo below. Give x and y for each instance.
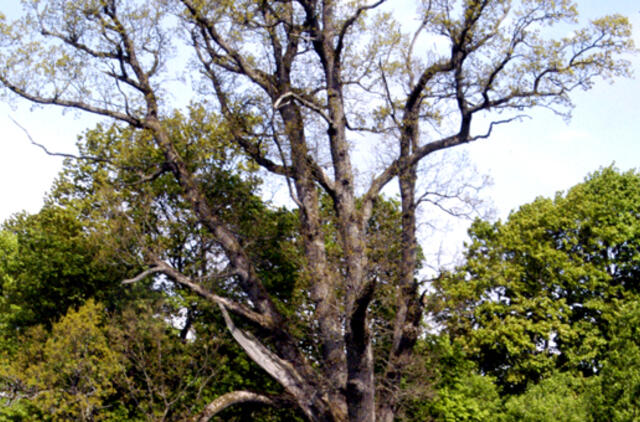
(230, 399)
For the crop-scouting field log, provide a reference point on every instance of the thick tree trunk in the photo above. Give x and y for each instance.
(408, 307)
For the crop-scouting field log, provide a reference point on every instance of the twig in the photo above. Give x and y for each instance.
(58, 154)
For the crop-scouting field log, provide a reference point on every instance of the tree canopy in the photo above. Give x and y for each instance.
(548, 289)
(294, 88)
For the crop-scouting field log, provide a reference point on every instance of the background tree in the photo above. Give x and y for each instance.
(296, 107)
(545, 290)
(69, 376)
(615, 390)
(57, 262)
(562, 396)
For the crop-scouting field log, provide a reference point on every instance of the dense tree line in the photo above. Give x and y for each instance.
(556, 270)
(546, 305)
(325, 296)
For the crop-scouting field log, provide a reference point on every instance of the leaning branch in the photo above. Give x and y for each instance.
(237, 308)
(229, 399)
(282, 371)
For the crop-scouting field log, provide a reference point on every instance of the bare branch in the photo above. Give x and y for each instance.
(142, 275)
(279, 369)
(230, 399)
(318, 109)
(57, 154)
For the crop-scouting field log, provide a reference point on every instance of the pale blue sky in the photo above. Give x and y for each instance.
(545, 154)
(535, 157)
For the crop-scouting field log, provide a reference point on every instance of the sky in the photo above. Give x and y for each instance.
(537, 157)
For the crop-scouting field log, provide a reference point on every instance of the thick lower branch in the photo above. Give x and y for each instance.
(303, 390)
(229, 399)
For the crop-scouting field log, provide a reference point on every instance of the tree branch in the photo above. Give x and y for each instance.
(58, 154)
(283, 372)
(79, 105)
(229, 399)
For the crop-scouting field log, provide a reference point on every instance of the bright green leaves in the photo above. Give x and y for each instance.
(561, 397)
(546, 307)
(542, 289)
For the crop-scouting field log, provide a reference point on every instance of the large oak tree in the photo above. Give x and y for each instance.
(299, 85)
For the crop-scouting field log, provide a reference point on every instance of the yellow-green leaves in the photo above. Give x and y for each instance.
(69, 373)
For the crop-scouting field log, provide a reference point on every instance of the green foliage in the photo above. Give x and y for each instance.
(616, 395)
(51, 261)
(472, 398)
(67, 374)
(165, 373)
(541, 290)
(560, 397)
(460, 392)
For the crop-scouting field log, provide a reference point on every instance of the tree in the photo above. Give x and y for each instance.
(561, 397)
(617, 386)
(55, 262)
(295, 84)
(69, 375)
(96, 193)
(545, 290)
